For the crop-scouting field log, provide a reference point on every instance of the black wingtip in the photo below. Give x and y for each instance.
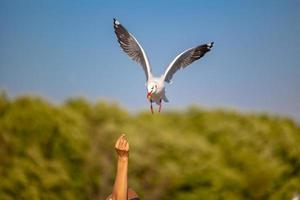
(116, 22)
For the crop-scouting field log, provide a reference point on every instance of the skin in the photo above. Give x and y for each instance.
(121, 185)
(121, 190)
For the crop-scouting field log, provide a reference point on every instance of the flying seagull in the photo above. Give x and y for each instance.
(155, 85)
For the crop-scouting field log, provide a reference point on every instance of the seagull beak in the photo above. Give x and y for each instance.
(149, 94)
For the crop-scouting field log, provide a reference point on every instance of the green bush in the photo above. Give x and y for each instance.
(66, 152)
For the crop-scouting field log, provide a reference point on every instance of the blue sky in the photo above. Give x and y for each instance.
(59, 49)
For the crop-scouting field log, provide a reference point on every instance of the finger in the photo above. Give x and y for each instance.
(127, 146)
(124, 144)
(121, 136)
(118, 141)
(124, 138)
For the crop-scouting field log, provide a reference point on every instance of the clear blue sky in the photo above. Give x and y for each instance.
(58, 49)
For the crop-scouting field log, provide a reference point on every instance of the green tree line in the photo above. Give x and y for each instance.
(66, 151)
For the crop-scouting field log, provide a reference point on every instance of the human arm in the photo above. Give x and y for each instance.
(121, 183)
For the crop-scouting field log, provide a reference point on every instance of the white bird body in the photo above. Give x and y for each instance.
(160, 90)
(155, 85)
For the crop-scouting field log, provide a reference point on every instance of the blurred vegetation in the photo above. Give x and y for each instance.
(66, 152)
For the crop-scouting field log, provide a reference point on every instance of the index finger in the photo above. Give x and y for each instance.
(119, 140)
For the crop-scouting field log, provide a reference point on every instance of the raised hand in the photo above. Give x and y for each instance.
(122, 147)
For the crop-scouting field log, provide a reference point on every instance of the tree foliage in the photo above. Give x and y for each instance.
(66, 152)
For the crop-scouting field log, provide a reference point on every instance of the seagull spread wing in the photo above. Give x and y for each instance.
(186, 58)
(131, 46)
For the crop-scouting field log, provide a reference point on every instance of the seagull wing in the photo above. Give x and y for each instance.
(186, 58)
(131, 46)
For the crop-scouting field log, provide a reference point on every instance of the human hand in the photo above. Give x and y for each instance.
(122, 147)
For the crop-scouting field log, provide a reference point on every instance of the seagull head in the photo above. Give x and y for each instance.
(151, 89)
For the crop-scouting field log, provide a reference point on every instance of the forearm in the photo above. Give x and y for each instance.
(121, 185)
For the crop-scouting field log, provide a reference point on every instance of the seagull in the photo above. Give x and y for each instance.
(155, 85)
